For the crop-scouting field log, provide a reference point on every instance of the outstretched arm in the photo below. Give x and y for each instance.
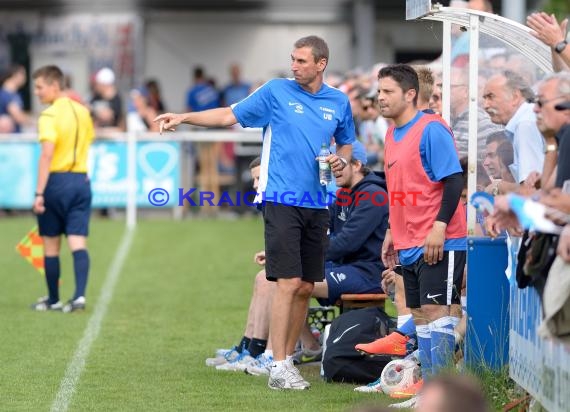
(221, 117)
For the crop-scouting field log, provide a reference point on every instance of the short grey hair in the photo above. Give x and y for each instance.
(318, 46)
(563, 82)
(516, 82)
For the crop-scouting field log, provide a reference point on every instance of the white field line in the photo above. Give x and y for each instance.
(77, 364)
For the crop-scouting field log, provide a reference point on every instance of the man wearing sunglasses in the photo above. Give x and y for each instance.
(552, 108)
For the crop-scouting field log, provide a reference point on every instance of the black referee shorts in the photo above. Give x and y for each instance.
(295, 242)
(67, 199)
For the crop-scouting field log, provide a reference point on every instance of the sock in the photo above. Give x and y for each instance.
(442, 343)
(51, 264)
(244, 344)
(81, 266)
(402, 320)
(268, 353)
(457, 338)
(408, 328)
(424, 349)
(454, 321)
(257, 347)
(279, 364)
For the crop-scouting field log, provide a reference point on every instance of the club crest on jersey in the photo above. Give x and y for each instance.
(298, 107)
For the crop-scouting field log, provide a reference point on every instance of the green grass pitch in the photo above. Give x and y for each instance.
(183, 291)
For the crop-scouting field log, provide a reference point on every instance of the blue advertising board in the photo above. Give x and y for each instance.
(487, 338)
(157, 165)
(18, 174)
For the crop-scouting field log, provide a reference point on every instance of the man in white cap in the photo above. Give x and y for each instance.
(106, 104)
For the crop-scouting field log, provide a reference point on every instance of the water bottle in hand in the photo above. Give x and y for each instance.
(325, 174)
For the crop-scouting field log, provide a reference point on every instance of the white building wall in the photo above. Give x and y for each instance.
(174, 46)
(171, 44)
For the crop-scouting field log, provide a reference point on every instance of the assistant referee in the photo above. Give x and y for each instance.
(63, 192)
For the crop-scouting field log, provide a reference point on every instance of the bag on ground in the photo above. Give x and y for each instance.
(343, 363)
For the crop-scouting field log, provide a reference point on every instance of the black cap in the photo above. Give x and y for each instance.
(563, 106)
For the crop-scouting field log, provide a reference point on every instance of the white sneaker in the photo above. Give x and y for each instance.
(222, 352)
(291, 366)
(229, 356)
(371, 387)
(74, 305)
(237, 365)
(410, 403)
(43, 305)
(286, 377)
(306, 355)
(260, 366)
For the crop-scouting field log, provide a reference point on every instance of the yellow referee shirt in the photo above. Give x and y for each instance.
(68, 125)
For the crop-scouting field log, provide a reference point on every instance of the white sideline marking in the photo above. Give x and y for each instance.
(77, 363)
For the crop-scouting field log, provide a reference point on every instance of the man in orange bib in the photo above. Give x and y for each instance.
(428, 233)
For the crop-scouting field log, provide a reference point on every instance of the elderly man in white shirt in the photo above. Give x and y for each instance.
(506, 99)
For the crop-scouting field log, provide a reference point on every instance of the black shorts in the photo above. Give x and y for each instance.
(438, 284)
(67, 199)
(295, 242)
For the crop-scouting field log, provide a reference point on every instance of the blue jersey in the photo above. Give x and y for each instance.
(235, 92)
(295, 124)
(6, 99)
(439, 159)
(202, 97)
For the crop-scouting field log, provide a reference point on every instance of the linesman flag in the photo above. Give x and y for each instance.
(31, 248)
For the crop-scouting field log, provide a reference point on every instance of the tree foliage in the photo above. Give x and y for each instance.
(561, 8)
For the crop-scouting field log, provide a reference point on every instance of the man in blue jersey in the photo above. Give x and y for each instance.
(297, 116)
(201, 96)
(428, 238)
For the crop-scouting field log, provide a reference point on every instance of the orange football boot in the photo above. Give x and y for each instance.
(408, 392)
(393, 344)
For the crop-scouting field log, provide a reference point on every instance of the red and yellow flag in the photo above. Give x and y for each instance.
(31, 247)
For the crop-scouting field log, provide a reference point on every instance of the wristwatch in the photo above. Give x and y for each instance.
(560, 46)
(550, 148)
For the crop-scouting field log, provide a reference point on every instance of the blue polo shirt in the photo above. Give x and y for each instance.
(295, 124)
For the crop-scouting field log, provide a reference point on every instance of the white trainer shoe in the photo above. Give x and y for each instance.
(373, 387)
(222, 352)
(74, 305)
(409, 404)
(43, 305)
(239, 364)
(287, 377)
(260, 366)
(223, 357)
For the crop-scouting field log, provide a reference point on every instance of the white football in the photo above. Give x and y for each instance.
(398, 375)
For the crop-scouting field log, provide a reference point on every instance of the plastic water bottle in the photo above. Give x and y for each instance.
(325, 174)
